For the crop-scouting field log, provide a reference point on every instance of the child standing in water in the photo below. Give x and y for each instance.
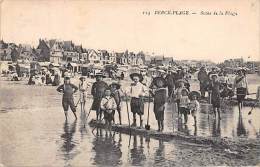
(194, 105)
(159, 100)
(184, 104)
(214, 88)
(115, 93)
(108, 106)
(178, 94)
(83, 86)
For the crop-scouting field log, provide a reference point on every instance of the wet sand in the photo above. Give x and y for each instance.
(34, 133)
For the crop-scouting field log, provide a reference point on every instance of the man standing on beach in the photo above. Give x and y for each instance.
(68, 89)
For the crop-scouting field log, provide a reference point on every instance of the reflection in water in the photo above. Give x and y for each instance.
(67, 137)
(183, 127)
(107, 150)
(137, 152)
(159, 156)
(83, 127)
(241, 130)
(216, 132)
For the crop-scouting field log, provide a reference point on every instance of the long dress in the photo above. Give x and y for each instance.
(97, 91)
(159, 102)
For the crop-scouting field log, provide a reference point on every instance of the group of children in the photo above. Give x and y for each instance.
(107, 99)
(187, 102)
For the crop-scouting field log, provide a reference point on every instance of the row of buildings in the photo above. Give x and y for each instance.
(61, 53)
(58, 52)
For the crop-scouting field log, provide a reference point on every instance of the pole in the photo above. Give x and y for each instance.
(127, 111)
(147, 126)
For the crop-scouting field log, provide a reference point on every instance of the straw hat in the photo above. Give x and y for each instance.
(136, 75)
(99, 75)
(66, 74)
(114, 84)
(158, 79)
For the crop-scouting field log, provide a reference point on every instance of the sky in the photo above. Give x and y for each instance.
(118, 25)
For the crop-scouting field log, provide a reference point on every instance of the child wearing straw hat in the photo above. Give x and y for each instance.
(116, 94)
(194, 105)
(108, 106)
(83, 86)
(160, 98)
(137, 91)
(178, 92)
(184, 104)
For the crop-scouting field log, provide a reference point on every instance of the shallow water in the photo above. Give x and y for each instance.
(34, 133)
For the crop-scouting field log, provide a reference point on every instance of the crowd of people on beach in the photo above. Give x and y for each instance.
(171, 87)
(45, 78)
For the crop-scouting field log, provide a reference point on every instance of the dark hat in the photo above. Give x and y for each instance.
(82, 78)
(158, 79)
(194, 93)
(67, 78)
(114, 84)
(212, 75)
(181, 80)
(242, 70)
(136, 75)
(185, 90)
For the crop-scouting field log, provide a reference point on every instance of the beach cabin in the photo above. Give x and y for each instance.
(72, 67)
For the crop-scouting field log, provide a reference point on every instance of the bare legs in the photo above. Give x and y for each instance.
(134, 120)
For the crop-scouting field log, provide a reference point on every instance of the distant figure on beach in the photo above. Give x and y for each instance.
(56, 80)
(97, 91)
(137, 91)
(160, 99)
(204, 81)
(122, 75)
(225, 86)
(31, 80)
(180, 75)
(170, 81)
(68, 89)
(240, 84)
(83, 86)
(48, 78)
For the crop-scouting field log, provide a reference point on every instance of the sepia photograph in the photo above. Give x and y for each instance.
(129, 83)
